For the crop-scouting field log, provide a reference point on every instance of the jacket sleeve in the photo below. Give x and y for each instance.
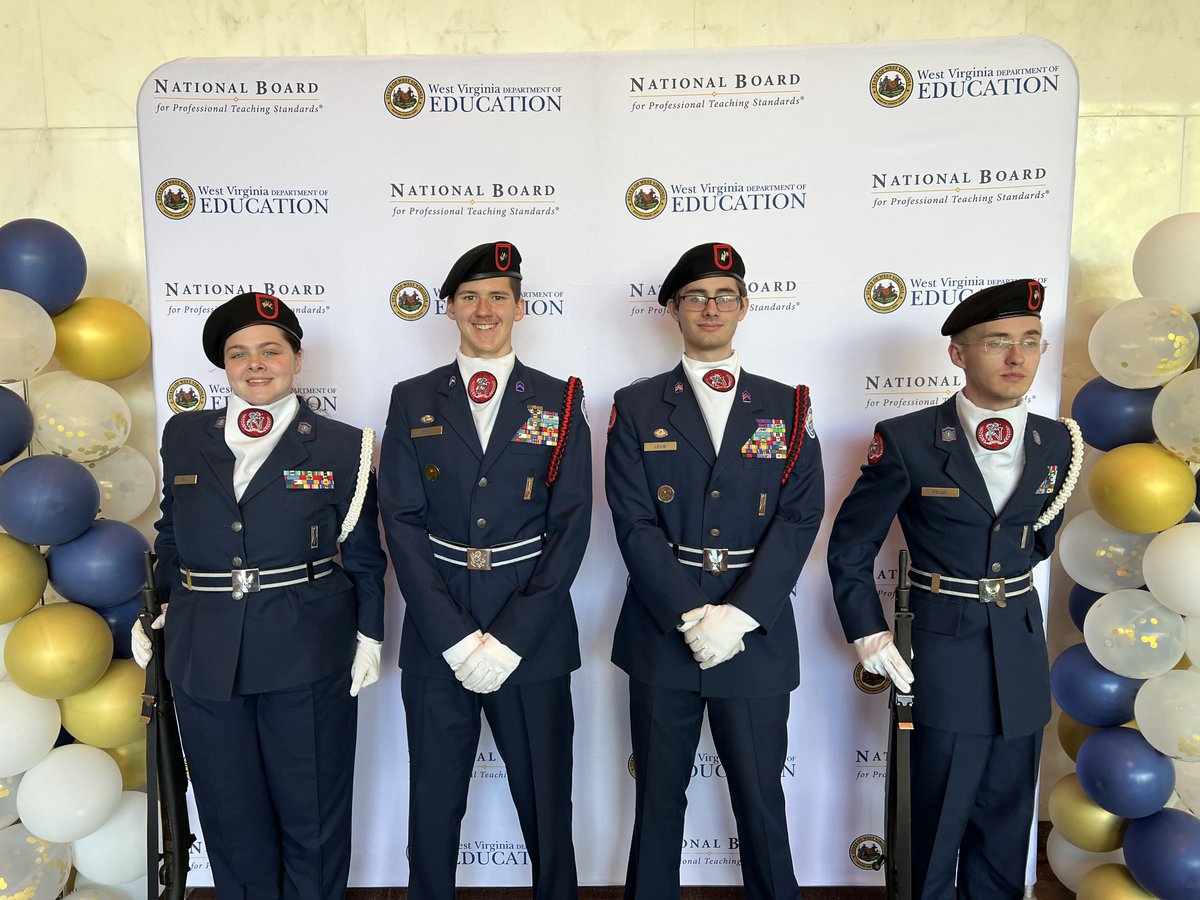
(440, 619)
(364, 562)
(166, 568)
(529, 612)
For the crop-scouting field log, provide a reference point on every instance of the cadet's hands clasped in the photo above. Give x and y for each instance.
(481, 662)
(714, 632)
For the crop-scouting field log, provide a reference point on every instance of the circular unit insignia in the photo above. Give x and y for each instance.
(875, 450)
(482, 387)
(994, 434)
(254, 422)
(719, 380)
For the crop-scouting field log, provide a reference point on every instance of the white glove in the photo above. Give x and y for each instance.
(879, 656)
(714, 633)
(488, 667)
(457, 655)
(365, 668)
(139, 641)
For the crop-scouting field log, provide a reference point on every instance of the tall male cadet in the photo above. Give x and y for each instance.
(714, 478)
(977, 483)
(486, 493)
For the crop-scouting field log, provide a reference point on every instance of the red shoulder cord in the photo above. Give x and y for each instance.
(564, 429)
(799, 417)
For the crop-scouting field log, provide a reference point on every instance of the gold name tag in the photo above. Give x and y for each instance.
(939, 492)
(658, 445)
(425, 432)
(185, 479)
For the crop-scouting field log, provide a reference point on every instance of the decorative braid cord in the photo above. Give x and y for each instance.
(360, 486)
(1068, 488)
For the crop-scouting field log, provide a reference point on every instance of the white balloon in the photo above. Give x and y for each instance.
(116, 851)
(70, 793)
(1142, 343)
(1070, 864)
(127, 484)
(1132, 634)
(1163, 264)
(132, 890)
(1169, 568)
(1167, 710)
(31, 726)
(97, 893)
(1176, 416)
(27, 338)
(31, 867)
(1187, 785)
(81, 420)
(1101, 557)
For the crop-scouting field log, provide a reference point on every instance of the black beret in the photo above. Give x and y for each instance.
(241, 312)
(1001, 301)
(494, 260)
(703, 261)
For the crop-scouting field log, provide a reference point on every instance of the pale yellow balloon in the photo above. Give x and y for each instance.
(101, 339)
(1072, 733)
(108, 714)
(22, 577)
(1141, 488)
(58, 650)
(1082, 822)
(1111, 882)
(131, 759)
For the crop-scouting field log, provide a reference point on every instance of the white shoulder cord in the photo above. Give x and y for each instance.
(360, 487)
(1068, 487)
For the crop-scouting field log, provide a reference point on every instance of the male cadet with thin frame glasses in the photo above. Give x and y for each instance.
(486, 496)
(714, 478)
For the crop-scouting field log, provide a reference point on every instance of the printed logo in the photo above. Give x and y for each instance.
(866, 851)
(410, 300)
(175, 198)
(185, 395)
(404, 97)
(885, 292)
(891, 85)
(646, 198)
(870, 683)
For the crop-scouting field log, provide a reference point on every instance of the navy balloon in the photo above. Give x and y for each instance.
(1088, 692)
(1110, 416)
(102, 567)
(1119, 770)
(16, 426)
(42, 261)
(120, 619)
(1079, 602)
(48, 500)
(1162, 852)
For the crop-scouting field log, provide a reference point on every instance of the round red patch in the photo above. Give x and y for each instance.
(875, 451)
(719, 380)
(994, 434)
(482, 387)
(255, 422)
(612, 417)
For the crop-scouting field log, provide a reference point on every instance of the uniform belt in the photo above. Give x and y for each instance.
(483, 559)
(240, 582)
(713, 560)
(986, 590)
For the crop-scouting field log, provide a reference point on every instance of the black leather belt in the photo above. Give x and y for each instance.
(484, 559)
(240, 582)
(985, 590)
(713, 560)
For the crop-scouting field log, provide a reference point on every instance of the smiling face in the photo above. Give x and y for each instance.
(485, 311)
(708, 332)
(260, 364)
(997, 380)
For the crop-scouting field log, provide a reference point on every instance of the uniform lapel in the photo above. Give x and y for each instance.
(742, 421)
(513, 413)
(1026, 497)
(218, 455)
(453, 409)
(290, 453)
(960, 464)
(686, 418)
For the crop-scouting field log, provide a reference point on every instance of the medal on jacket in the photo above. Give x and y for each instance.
(254, 422)
(482, 387)
(994, 434)
(719, 380)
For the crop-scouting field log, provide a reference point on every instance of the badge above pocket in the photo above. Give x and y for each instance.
(307, 480)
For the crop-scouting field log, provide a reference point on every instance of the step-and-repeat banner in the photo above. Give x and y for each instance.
(869, 188)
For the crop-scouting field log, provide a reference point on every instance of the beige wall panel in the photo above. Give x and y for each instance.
(1189, 194)
(22, 100)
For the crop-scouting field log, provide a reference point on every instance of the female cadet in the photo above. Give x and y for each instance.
(268, 640)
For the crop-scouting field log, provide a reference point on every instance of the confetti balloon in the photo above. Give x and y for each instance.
(8, 800)
(1132, 634)
(1176, 416)
(32, 868)
(81, 420)
(1143, 343)
(1168, 713)
(127, 484)
(1100, 556)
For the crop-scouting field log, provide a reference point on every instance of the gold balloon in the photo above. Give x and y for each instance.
(58, 650)
(101, 339)
(131, 758)
(1141, 488)
(22, 577)
(1111, 882)
(1081, 821)
(1072, 733)
(107, 714)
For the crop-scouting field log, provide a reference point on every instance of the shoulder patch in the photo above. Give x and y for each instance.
(875, 450)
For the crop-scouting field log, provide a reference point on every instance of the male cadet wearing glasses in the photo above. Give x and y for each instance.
(714, 479)
(977, 483)
(485, 488)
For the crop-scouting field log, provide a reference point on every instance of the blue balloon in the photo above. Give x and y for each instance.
(102, 567)
(1162, 852)
(1088, 692)
(120, 619)
(1121, 772)
(1079, 602)
(16, 425)
(48, 500)
(42, 261)
(1110, 416)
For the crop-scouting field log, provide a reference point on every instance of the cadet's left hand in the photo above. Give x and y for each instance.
(714, 633)
(488, 667)
(365, 668)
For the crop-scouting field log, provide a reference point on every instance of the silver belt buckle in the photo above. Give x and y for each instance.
(991, 590)
(715, 560)
(479, 559)
(245, 581)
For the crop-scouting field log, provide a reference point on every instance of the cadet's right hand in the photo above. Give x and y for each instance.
(139, 641)
(457, 655)
(879, 656)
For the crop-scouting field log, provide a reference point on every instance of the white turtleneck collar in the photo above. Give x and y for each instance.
(714, 404)
(249, 453)
(485, 413)
(1001, 468)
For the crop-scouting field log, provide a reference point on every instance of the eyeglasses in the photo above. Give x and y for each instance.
(699, 302)
(1001, 345)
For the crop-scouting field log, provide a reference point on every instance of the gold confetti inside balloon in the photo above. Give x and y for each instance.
(1168, 712)
(1072, 733)
(131, 758)
(1082, 822)
(22, 577)
(81, 420)
(30, 868)
(101, 339)
(1132, 634)
(1111, 882)
(1141, 488)
(107, 714)
(1143, 343)
(58, 650)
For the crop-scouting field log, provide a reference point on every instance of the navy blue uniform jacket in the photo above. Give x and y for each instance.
(434, 479)
(980, 668)
(282, 637)
(731, 501)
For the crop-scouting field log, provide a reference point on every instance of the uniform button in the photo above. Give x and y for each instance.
(715, 532)
(237, 560)
(995, 567)
(996, 527)
(483, 482)
(236, 526)
(482, 523)
(716, 495)
(238, 595)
